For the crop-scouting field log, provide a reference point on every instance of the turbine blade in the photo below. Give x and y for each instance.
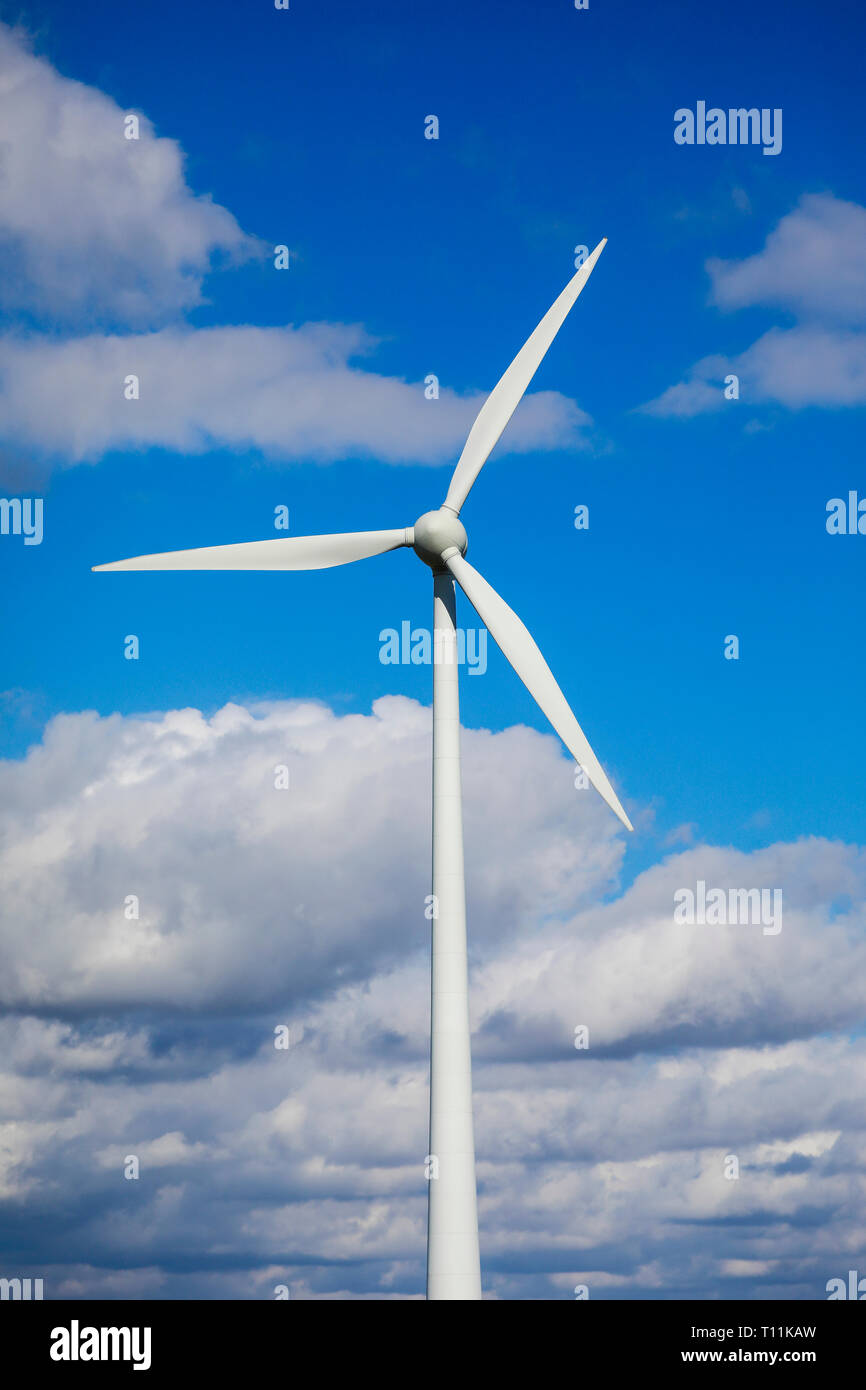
(288, 553)
(517, 645)
(506, 395)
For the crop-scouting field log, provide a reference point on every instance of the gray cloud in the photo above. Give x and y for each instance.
(262, 907)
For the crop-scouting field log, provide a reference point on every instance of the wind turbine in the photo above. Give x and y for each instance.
(439, 539)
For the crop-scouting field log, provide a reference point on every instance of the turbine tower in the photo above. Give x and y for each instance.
(439, 539)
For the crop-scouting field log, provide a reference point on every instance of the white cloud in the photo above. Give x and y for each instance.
(289, 392)
(260, 907)
(249, 894)
(813, 266)
(794, 367)
(97, 231)
(701, 391)
(640, 980)
(292, 891)
(95, 227)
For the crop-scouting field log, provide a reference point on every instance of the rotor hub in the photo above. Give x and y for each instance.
(436, 532)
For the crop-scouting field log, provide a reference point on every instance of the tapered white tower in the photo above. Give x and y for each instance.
(453, 1265)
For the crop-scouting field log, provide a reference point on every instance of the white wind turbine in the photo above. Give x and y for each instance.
(438, 538)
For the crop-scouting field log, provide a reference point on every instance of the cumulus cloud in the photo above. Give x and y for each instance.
(292, 890)
(692, 985)
(261, 907)
(813, 264)
(93, 225)
(813, 267)
(289, 392)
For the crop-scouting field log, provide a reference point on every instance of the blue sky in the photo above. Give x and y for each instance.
(448, 252)
(707, 517)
